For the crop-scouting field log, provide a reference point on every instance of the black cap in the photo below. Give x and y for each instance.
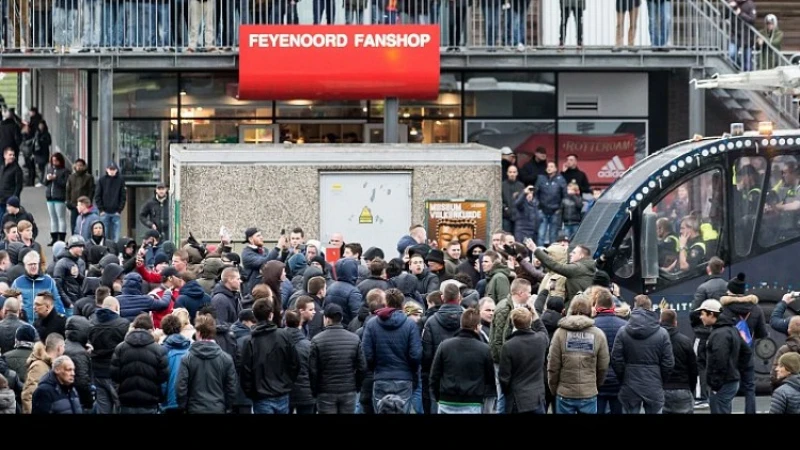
(161, 186)
(601, 278)
(152, 234)
(247, 314)
(168, 272)
(248, 233)
(562, 237)
(436, 256)
(160, 258)
(736, 285)
(334, 311)
(419, 249)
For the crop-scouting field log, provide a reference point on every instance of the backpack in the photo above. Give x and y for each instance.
(744, 330)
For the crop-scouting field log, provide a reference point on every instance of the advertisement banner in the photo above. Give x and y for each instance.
(603, 158)
(460, 220)
(338, 62)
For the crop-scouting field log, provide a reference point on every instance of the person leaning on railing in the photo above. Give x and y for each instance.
(770, 50)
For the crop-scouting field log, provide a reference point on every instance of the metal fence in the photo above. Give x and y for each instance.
(212, 25)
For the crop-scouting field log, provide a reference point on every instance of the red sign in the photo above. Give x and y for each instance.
(602, 158)
(338, 62)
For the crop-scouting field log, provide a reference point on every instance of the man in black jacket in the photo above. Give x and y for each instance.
(155, 213)
(522, 364)
(442, 325)
(268, 364)
(531, 170)
(715, 287)
(462, 373)
(49, 320)
(10, 132)
(75, 347)
(110, 197)
(571, 173)
(726, 353)
(226, 297)
(108, 330)
(11, 179)
(336, 366)
(678, 387)
(56, 392)
(206, 378)
(139, 366)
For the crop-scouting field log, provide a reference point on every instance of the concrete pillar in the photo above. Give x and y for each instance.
(391, 134)
(697, 105)
(105, 124)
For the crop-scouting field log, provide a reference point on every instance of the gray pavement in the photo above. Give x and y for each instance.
(762, 406)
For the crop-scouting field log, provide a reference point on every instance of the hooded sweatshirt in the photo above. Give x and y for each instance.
(132, 302)
(206, 380)
(192, 297)
(392, 346)
(443, 325)
(176, 346)
(468, 266)
(344, 292)
(642, 358)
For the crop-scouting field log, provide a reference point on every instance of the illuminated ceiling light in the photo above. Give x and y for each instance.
(748, 143)
(730, 145)
(639, 197)
(773, 142)
(451, 115)
(413, 132)
(665, 173)
(406, 115)
(633, 203)
(765, 142)
(645, 190)
(681, 164)
(689, 159)
(183, 93)
(704, 152)
(713, 150)
(739, 144)
(782, 141)
(199, 108)
(364, 109)
(722, 147)
(652, 184)
(790, 141)
(673, 168)
(438, 122)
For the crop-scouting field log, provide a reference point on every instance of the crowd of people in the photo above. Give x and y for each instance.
(115, 326)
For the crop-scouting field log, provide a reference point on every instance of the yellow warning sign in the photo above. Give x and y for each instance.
(366, 216)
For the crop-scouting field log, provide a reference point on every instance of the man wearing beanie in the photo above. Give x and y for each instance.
(436, 264)
(786, 398)
(741, 307)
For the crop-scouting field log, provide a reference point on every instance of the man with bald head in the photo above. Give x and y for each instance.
(108, 330)
(11, 320)
(336, 241)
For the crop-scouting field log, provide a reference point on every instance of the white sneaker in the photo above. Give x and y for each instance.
(39, 185)
(520, 47)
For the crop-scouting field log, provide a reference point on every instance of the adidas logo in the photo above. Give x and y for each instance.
(614, 168)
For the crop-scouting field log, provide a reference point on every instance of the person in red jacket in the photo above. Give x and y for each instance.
(170, 288)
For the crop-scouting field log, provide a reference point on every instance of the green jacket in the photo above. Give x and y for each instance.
(579, 274)
(768, 59)
(501, 327)
(498, 285)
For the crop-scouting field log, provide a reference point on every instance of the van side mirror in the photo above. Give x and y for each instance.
(649, 241)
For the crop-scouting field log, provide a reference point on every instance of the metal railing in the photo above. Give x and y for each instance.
(213, 25)
(747, 47)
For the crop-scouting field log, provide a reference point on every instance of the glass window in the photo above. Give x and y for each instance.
(510, 94)
(623, 260)
(605, 148)
(143, 146)
(203, 130)
(217, 95)
(313, 109)
(779, 223)
(142, 94)
(447, 105)
(433, 131)
(689, 225)
(748, 185)
(523, 137)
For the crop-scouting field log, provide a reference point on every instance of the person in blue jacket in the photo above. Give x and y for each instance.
(176, 346)
(33, 282)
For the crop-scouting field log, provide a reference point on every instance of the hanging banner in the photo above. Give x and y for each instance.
(460, 220)
(338, 62)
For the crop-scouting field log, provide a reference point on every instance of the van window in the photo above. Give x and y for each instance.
(691, 217)
(779, 222)
(748, 181)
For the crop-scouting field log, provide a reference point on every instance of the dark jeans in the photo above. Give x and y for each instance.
(138, 410)
(565, 13)
(456, 16)
(721, 401)
(302, 409)
(329, 7)
(107, 401)
(748, 385)
(276, 405)
(337, 403)
(401, 388)
(610, 403)
(678, 401)
(634, 406)
(73, 218)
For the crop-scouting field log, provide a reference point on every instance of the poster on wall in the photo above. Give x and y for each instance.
(460, 220)
(605, 148)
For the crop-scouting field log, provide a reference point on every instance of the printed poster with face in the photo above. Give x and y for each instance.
(459, 220)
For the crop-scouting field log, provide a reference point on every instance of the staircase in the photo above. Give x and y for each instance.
(750, 107)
